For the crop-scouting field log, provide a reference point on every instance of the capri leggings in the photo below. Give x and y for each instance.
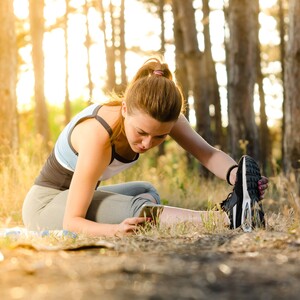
(44, 207)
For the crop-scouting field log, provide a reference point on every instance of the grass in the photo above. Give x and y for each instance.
(17, 174)
(177, 186)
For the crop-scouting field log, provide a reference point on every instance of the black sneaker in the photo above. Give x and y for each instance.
(243, 205)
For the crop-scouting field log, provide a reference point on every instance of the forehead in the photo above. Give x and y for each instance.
(142, 121)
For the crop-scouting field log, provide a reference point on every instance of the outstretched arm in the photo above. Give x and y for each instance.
(215, 160)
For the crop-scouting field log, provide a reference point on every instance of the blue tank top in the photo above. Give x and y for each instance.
(60, 165)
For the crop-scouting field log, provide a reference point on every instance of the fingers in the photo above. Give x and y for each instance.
(130, 225)
(262, 186)
(135, 220)
(263, 180)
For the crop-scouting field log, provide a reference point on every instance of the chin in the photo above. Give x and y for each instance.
(139, 150)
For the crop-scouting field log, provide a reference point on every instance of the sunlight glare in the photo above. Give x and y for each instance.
(54, 65)
(142, 32)
(148, 35)
(268, 34)
(53, 10)
(265, 4)
(21, 9)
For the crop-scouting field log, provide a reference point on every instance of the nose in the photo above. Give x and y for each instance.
(147, 142)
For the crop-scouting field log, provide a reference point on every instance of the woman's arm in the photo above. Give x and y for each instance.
(215, 160)
(92, 143)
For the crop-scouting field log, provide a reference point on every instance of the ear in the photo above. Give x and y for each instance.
(124, 109)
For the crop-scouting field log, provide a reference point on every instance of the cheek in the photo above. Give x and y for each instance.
(157, 142)
(132, 135)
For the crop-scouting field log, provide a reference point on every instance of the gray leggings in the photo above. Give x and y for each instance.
(44, 207)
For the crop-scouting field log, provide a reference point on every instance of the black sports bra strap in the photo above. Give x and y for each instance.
(104, 124)
(102, 121)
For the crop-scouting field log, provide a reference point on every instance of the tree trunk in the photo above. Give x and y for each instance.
(161, 3)
(36, 8)
(282, 56)
(109, 50)
(67, 96)
(211, 87)
(292, 89)
(122, 48)
(185, 17)
(193, 59)
(265, 141)
(9, 139)
(181, 70)
(242, 78)
(88, 44)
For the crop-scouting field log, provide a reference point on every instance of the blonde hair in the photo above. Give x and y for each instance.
(153, 91)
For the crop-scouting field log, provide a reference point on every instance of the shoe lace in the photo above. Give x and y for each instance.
(228, 203)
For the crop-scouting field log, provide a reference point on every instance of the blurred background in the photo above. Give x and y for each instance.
(237, 62)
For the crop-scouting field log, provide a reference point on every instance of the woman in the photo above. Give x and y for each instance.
(103, 140)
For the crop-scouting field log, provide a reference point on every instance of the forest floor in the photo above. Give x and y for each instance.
(263, 264)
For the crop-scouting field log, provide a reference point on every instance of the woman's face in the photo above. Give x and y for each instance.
(142, 131)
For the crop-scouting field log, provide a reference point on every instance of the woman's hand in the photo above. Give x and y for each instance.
(262, 186)
(129, 225)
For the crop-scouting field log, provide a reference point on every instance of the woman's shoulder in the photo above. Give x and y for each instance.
(110, 114)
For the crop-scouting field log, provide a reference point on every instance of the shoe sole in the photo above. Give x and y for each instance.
(250, 177)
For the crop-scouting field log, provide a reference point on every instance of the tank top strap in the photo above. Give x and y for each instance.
(102, 121)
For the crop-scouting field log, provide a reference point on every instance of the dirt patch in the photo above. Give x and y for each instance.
(230, 265)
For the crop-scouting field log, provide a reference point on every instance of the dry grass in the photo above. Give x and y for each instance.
(177, 186)
(17, 174)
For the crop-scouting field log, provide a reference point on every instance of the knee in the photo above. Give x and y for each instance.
(152, 191)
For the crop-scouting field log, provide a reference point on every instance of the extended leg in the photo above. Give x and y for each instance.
(171, 215)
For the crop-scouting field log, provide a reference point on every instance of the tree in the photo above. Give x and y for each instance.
(114, 41)
(194, 64)
(265, 141)
(242, 77)
(292, 91)
(161, 5)
(211, 87)
(88, 44)
(67, 95)
(282, 33)
(181, 69)
(122, 47)
(36, 8)
(8, 77)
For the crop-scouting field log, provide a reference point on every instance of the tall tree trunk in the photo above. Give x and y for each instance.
(181, 69)
(9, 139)
(161, 3)
(226, 47)
(109, 50)
(242, 77)
(185, 16)
(194, 65)
(265, 141)
(282, 56)
(36, 8)
(211, 88)
(67, 95)
(122, 47)
(292, 88)
(88, 44)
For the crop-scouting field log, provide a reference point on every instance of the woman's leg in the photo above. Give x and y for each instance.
(134, 188)
(171, 215)
(44, 207)
(40, 211)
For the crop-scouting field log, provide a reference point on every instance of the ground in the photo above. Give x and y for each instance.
(263, 264)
